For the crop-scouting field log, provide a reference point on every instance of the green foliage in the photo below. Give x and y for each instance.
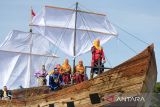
(157, 87)
(156, 96)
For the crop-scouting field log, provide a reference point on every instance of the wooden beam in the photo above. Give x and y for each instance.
(36, 54)
(60, 8)
(73, 29)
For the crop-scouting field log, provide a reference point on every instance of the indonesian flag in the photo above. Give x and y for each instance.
(32, 12)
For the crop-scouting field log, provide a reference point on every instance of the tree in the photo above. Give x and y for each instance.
(156, 95)
(157, 87)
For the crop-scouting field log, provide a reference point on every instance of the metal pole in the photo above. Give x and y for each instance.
(30, 54)
(30, 57)
(74, 46)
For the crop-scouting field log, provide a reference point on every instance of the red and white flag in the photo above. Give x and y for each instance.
(33, 13)
(32, 16)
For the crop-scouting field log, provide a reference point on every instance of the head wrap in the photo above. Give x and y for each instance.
(65, 65)
(96, 44)
(80, 68)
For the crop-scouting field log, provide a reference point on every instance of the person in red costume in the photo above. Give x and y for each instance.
(98, 58)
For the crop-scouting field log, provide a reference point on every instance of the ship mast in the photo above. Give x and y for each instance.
(30, 50)
(75, 30)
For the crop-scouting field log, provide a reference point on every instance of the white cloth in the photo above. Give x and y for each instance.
(57, 25)
(16, 59)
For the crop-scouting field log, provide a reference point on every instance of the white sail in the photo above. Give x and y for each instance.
(58, 26)
(17, 64)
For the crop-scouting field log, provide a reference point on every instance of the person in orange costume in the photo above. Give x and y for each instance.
(97, 57)
(79, 74)
(66, 68)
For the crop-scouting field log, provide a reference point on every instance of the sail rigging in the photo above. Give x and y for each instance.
(58, 26)
(19, 62)
(71, 30)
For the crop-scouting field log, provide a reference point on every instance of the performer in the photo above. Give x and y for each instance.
(5, 94)
(59, 69)
(97, 57)
(66, 68)
(79, 74)
(55, 80)
(41, 76)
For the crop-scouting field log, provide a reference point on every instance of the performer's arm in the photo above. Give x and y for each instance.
(93, 55)
(103, 56)
(93, 49)
(70, 69)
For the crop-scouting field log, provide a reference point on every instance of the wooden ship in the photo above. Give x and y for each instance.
(134, 77)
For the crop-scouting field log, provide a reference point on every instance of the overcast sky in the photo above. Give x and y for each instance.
(139, 17)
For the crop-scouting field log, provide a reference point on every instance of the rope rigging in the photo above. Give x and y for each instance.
(83, 20)
(127, 45)
(130, 34)
(59, 40)
(122, 29)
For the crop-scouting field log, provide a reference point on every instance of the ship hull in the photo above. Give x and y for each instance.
(134, 78)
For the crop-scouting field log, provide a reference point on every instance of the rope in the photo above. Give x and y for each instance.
(93, 34)
(109, 62)
(86, 28)
(87, 24)
(83, 19)
(123, 30)
(56, 49)
(58, 42)
(89, 10)
(72, 5)
(62, 33)
(119, 39)
(127, 45)
(98, 22)
(132, 35)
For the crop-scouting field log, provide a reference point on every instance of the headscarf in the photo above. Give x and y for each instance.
(80, 68)
(96, 45)
(65, 65)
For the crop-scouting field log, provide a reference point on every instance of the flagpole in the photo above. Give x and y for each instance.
(30, 48)
(74, 46)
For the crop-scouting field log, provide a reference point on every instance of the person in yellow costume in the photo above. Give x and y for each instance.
(66, 68)
(79, 74)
